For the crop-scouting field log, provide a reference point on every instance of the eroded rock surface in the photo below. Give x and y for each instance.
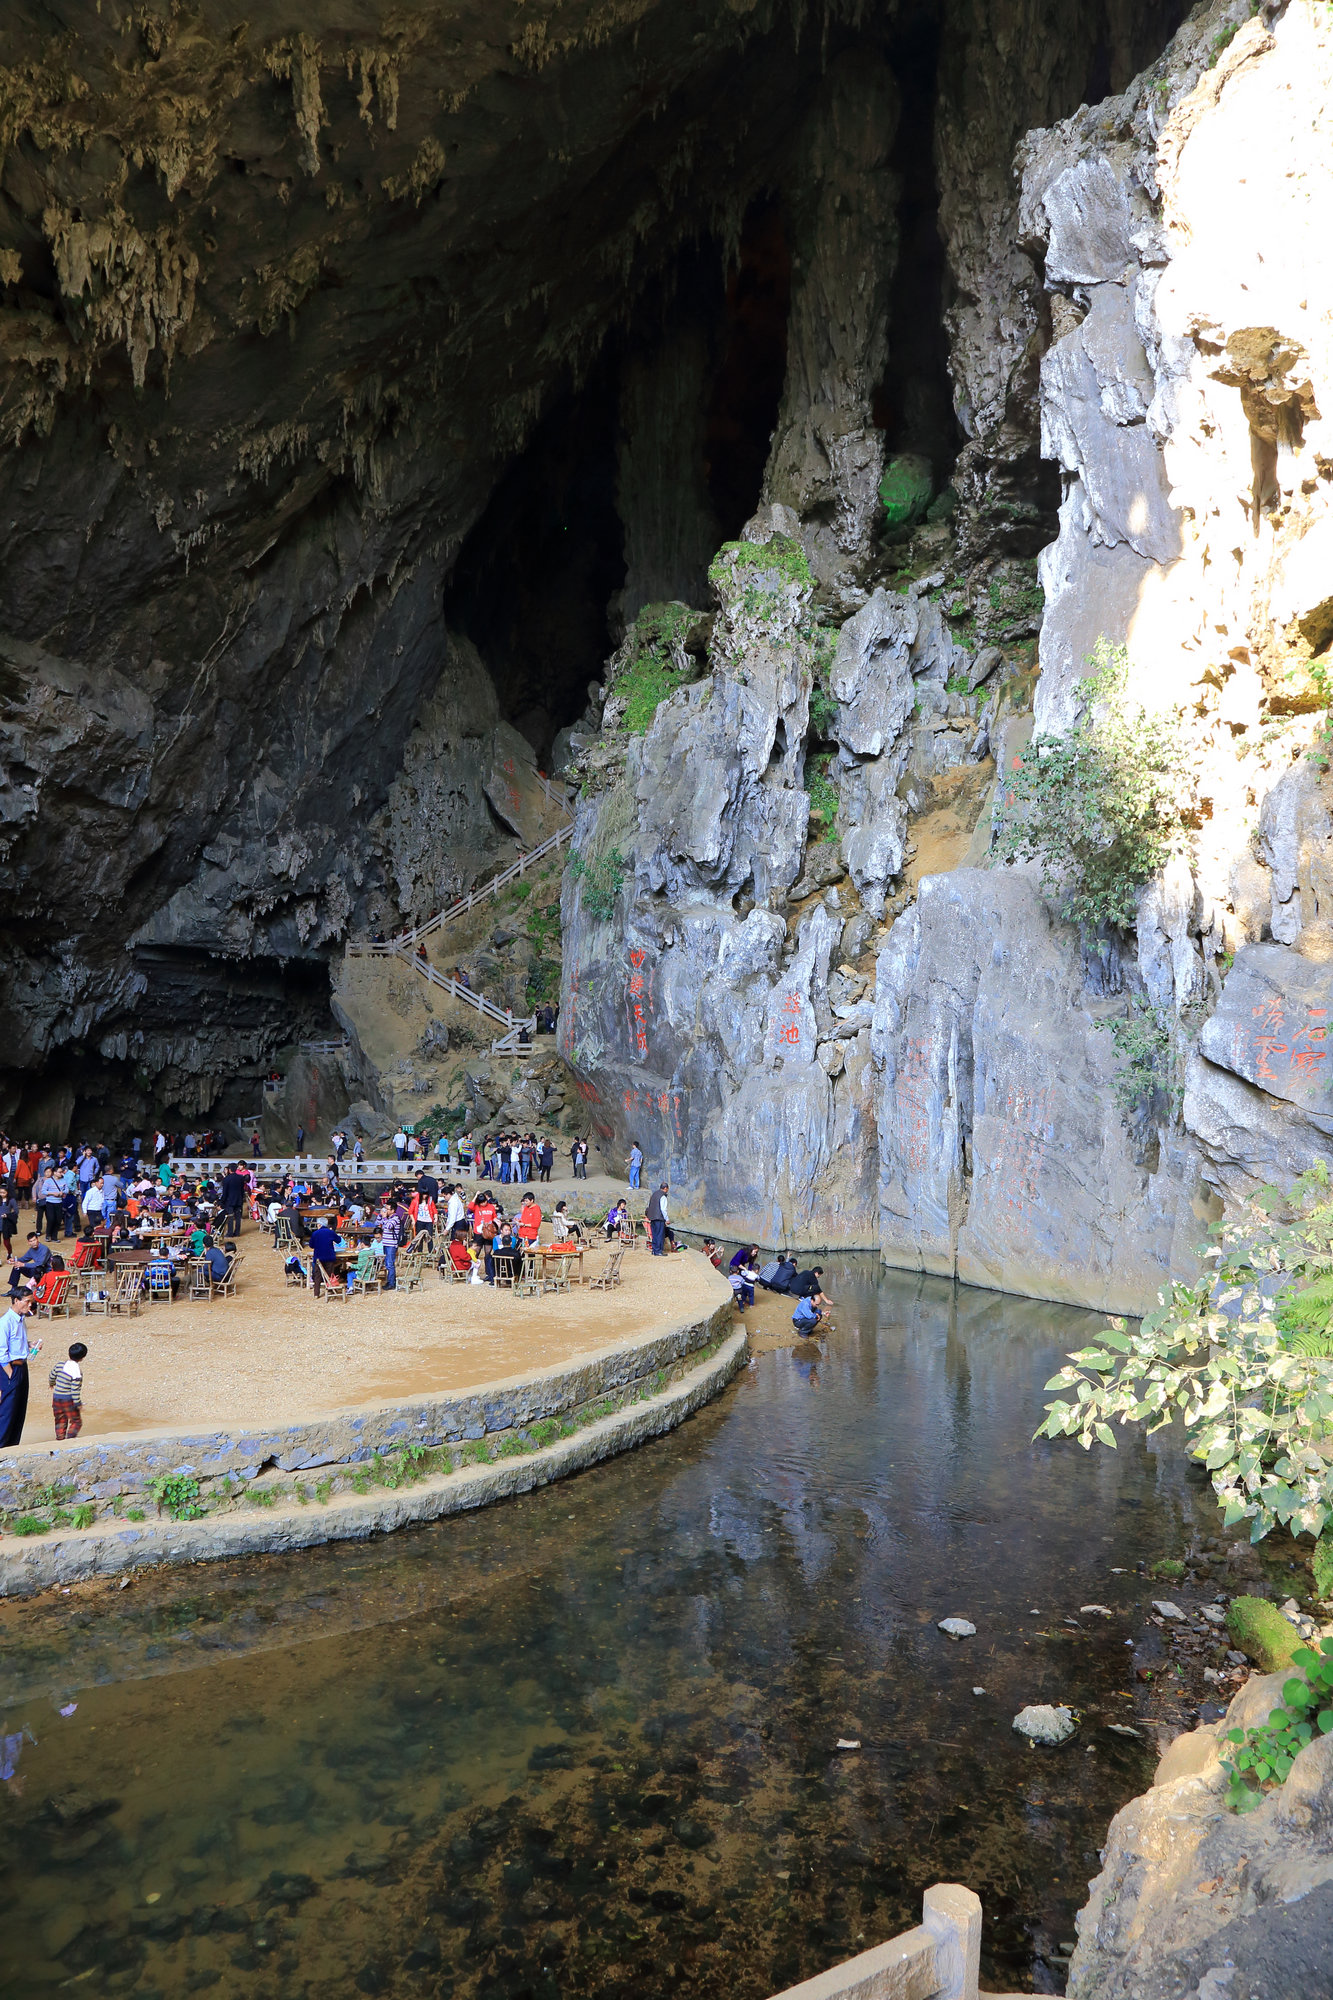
(1195, 1899)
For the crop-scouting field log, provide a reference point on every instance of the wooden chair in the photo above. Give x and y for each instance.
(507, 1265)
(51, 1297)
(372, 1280)
(456, 1272)
(301, 1275)
(528, 1284)
(159, 1281)
(124, 1289)
(201, 1279)
(225, 1286)
(409, 1270)
(609, 1276)
(556, 1278)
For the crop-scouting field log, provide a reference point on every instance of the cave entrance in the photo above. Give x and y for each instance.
(913, 406)
(752, 365)
(534, 579)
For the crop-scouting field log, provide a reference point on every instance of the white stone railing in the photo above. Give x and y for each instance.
(315, 1166)
(939, 1960)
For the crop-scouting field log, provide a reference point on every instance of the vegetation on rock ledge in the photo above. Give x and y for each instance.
(1102, 805)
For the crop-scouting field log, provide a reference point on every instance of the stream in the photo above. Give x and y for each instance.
(586, 1743)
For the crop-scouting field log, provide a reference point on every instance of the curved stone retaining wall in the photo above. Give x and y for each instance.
(651, 1384)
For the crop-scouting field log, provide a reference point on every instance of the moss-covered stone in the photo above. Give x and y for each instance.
(1259, 1630)
(905, 489)
(1323, 1566)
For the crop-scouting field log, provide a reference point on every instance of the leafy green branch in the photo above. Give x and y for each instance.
(1264, 1755)
(1257, 1407)
(602, 881)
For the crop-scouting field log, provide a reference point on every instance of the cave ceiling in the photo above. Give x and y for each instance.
(283, 297)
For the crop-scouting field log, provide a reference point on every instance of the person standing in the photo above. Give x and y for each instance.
(92, 1202)
(391, 1229)
(400, 1144)
(578, 1154)
(323, 1257)
(233, 1196)
(14, 1352)
(300, 1139)
(66, 1383)
(50, 1204)
(635, 1163)
(657, 1216)
(546, 1159)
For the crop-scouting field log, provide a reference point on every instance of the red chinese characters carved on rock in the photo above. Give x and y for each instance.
(637, 998)
(787, 1029)
(1282, 1049)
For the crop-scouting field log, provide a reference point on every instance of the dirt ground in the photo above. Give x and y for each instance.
(272, 1354)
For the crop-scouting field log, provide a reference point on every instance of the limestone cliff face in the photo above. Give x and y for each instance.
(1150, 309)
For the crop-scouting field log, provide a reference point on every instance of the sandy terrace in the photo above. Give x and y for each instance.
(272, 1354)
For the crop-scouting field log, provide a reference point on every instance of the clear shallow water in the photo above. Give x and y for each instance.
(584, 1743)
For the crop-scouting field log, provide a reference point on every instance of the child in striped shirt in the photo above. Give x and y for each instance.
(66, 1380)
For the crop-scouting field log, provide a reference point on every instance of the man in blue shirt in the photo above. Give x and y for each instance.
(14, 1372)
(323, 1257)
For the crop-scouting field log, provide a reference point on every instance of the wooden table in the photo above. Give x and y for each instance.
(550, 1256)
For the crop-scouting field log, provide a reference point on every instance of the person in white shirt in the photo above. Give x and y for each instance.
(455, 1212)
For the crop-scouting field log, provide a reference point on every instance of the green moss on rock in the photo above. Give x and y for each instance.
(1323, 1566)
(1259, 1630)
(905, 489)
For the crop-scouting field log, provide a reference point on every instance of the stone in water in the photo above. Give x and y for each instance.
(849, 1743)
(958, 1628)
(1213, 1613)
(1101, 1610)
(1167, 1608)
(1041, 1723)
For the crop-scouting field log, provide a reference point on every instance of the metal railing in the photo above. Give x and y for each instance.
(514, 1025)
(361, 947)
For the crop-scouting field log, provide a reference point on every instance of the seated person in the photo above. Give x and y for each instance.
(217, 1260)
(159, 1267)
(615, 1217)
(460, 1256)
(27, 1270)
(504, 1255)
(199, 1240)
(366, 1262)
(564, 1225)
(712, 1253)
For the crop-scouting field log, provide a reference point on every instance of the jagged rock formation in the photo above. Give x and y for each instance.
(1195, 1899)
(1120, 316)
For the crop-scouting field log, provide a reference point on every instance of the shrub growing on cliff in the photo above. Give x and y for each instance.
(1259, 1411)
(1102, 805)
(602, 879)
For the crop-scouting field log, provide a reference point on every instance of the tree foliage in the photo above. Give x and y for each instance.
(1102, 805)
(1229, 1357)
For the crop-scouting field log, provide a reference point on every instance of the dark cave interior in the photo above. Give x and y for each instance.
(561, 554)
